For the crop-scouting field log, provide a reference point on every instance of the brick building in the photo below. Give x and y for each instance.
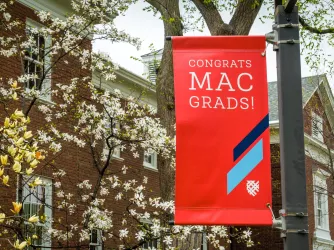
(318, 119)
(75, 161)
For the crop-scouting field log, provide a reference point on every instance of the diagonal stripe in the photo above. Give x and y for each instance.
(245, 166)
(251, 137)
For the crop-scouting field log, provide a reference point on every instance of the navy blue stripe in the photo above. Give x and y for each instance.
(251, 137)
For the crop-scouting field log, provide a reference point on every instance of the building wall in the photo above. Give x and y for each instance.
(77, 162)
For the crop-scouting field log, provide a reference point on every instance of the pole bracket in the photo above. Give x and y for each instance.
(289, 41)
(283, 213)
(293, 231)
(286, 25)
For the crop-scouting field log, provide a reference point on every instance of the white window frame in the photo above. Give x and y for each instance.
(153, 164)
(47, 185)
(152, 67)
(317, 127)
(320, 192)
(46, 86)
(149, 243)
(98, 244)
(151, 64)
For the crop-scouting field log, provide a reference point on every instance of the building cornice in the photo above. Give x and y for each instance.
(57, 8)
(138, 80)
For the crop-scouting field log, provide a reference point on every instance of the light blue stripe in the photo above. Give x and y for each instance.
(244, 166)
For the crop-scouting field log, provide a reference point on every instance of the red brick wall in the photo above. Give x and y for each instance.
(77, 162)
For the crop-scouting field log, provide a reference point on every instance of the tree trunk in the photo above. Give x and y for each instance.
(170, 12)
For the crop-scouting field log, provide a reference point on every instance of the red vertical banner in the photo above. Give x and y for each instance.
(223, 174)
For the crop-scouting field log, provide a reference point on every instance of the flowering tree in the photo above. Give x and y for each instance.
(95, 201)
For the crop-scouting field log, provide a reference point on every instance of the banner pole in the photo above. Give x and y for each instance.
(292, 153)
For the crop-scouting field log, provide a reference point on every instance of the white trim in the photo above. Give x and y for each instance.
(116, 158)
(57, 10)
(99, 243)
(46, 85)
(47, 183)
(320, 192)
(322, 244)
(317, 150)
(154, 164)
(129, 84)
(328, 107)
(149, 222)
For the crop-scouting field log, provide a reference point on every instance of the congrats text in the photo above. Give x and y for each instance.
(220, 82)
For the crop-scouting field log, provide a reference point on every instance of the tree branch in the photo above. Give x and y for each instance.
(244, 16)
(313, 29)
(213, 18)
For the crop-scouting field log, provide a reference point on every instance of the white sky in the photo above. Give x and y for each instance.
(149, 29)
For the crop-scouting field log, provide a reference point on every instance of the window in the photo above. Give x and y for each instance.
(37, 201)
(151, 63)
(153, 67)
(153, 244)
(321, 204)
(204, 242)
(320, 210)
(95, 240)
(37, 61)
(317, 127)
(150, 160)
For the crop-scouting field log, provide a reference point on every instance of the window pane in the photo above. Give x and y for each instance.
(33, 209)
(155, 243)
(148, 158)
(93, 237)
(39, 233)
(26, 209)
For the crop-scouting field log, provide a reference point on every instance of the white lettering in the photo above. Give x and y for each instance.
(196, 102)
(193, 65)
(224, 83)
(233, 64)
(244, 103)
(219, 102)
(206, 102)
(208, 62)
(200, 85)
(238, 82)
(230, 104)
(200, 65)
(218, 63)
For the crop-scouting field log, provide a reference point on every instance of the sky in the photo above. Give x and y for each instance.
(149, 29)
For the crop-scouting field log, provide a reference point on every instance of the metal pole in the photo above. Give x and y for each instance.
(293, 177)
